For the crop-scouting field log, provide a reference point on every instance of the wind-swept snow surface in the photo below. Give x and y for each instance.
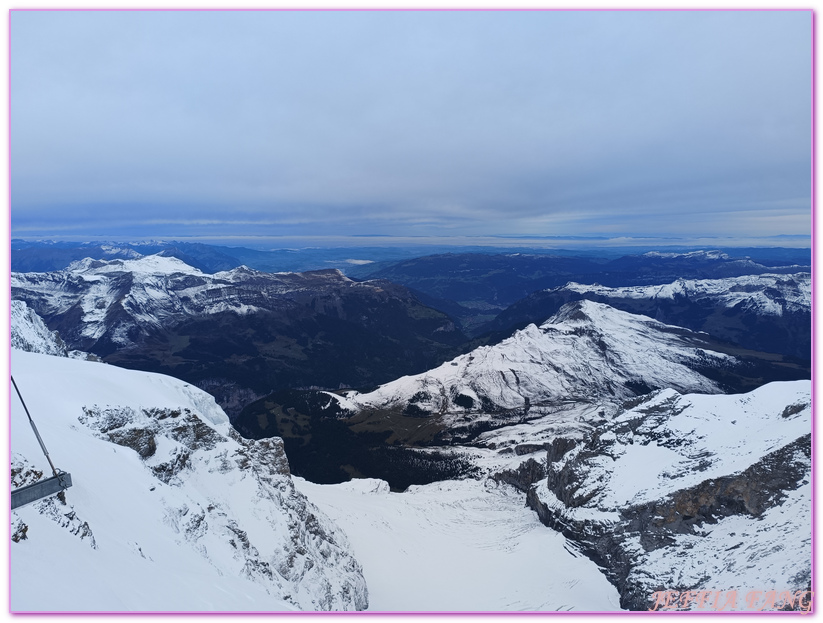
(169, 510)
(460, 546)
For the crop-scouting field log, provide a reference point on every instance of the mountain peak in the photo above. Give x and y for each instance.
(585, 312)
(581, 311)
(586, 349)
(240, 272)
(147, 264)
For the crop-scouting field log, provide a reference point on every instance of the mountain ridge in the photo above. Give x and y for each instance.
(162, 481)
(588, 353)
(765, 312)
(677, 484)
(556, 410)
(240, 333)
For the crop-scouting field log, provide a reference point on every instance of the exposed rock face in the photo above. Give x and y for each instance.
(683, 492)
(523, 476)
(313, 566)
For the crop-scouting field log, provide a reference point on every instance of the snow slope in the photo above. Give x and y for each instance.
(584, 352)
(460, 546)
(671, 442)
(692, 492)
(30, 333)
(127, 298)
(770, 295)
(146, 265)
(169, 510)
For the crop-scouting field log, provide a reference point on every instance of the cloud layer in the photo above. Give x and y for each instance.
(164, 123)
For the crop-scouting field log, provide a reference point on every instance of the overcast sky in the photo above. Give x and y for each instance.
(454, 123)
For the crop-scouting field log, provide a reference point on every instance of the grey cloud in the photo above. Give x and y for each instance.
(367, 121)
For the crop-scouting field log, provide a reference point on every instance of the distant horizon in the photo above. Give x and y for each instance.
(547, 243)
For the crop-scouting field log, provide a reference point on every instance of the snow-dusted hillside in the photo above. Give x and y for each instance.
(691, 492)
(240, 333)
(585, 352)
(29, 333)
(768, 312)
(169, 510)
(770, 295)
(124, 299)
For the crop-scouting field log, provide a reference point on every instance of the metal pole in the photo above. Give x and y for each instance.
(34, 428)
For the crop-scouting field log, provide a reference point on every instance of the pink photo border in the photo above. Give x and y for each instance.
(814, 368)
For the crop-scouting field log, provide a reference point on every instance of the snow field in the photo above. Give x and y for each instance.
(460, 546)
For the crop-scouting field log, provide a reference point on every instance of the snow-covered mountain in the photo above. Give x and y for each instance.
(690, 493)
(120, 301)
(240, 333)
(585, 352)
(50, 255)
(769, 295)
(170, 508)
(588, 357)
(768, 312)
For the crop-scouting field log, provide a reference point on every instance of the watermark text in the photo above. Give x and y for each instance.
(756, 601)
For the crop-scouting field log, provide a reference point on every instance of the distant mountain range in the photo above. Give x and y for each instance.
(240, 333)
(764, 312)
(475, 288)
(49, 255)
(470, 284)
